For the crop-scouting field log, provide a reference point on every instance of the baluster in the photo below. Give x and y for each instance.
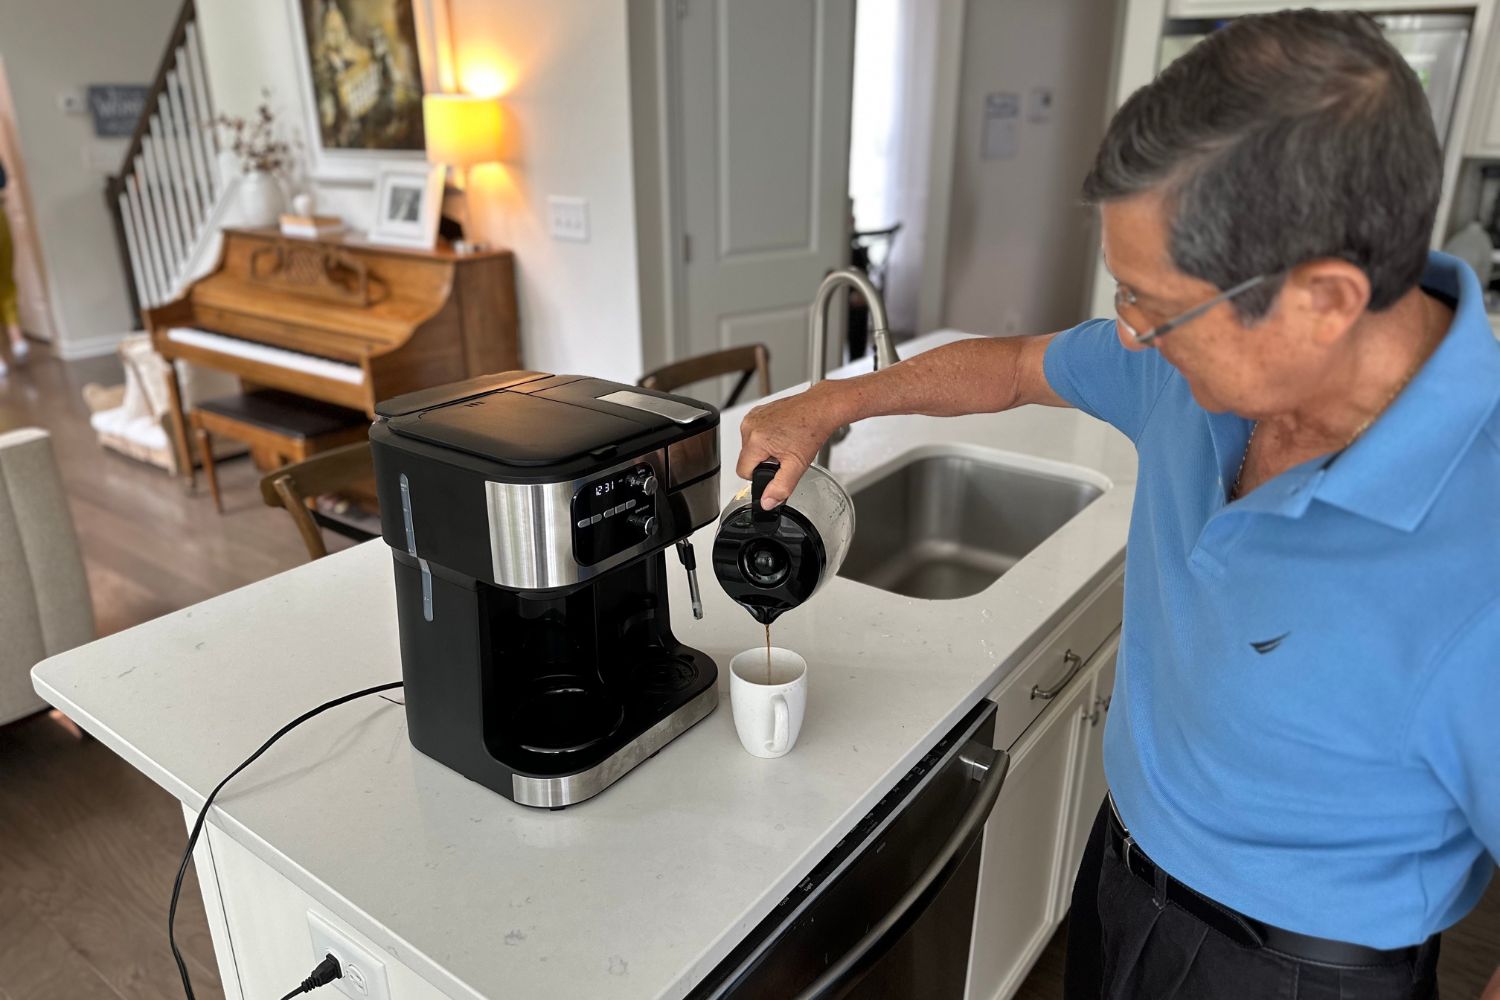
(143, 294)
(150, 243)
(157, 161)
(188, 191)
(177, 176)
(192, 139)
(151, 201)
(204, 107)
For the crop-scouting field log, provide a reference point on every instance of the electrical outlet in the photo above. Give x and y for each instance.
(568, 218)
(364, 974)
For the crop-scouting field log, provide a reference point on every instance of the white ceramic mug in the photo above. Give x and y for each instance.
(768, 715)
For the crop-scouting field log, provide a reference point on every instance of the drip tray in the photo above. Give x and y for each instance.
(566, 718)
(666, 675)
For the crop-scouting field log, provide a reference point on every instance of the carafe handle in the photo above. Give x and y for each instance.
(759, 480)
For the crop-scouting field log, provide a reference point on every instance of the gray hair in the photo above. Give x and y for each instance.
(1283, 138)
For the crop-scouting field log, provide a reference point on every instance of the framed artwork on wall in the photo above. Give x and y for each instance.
(408, 201)
(363, 66)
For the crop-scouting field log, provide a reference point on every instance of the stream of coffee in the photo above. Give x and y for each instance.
(768, 652)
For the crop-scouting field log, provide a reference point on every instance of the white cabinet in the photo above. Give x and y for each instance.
(1016, 909)
(265, 916)
(1037, 831)
(1089, 786)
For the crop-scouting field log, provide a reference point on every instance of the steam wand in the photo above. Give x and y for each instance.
(690, 563)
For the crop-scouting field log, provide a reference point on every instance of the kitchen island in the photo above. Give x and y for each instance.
(640, 891)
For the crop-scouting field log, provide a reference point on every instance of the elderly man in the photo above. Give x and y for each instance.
(1304, 749)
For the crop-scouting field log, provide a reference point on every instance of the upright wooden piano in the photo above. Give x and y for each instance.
(339, 319)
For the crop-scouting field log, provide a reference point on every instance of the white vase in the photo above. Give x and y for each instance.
(261, 199)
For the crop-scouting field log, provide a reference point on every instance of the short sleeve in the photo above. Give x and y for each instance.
(1455, 728)
(1090, 368)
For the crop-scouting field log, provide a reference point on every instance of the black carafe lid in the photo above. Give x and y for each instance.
(768, 561)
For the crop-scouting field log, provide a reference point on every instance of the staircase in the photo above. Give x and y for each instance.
(170, 192)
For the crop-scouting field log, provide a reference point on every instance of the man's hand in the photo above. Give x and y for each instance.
(1492, 991)
(791, 431)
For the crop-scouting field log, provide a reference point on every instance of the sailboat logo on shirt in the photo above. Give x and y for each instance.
(1267, 645)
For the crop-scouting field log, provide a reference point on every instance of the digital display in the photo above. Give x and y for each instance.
(611, 514)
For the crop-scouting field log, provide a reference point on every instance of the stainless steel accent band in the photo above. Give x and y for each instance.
(531, 524)
(566, 790)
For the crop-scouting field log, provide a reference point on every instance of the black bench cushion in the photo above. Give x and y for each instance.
(285, 413)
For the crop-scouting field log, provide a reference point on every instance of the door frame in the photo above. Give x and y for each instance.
(657, 164)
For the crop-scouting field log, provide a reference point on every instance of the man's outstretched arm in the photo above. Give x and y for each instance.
(982, 375)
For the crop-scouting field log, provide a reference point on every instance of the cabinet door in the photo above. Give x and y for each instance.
(1016, 911)
(1088, 782)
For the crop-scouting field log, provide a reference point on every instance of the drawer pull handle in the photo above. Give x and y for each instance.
(1073, 661)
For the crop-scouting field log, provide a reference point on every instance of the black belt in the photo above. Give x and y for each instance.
(1242, 929)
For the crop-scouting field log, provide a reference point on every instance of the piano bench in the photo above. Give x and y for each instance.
(278, 427)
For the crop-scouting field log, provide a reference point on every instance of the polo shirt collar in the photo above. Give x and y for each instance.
(1396, 468)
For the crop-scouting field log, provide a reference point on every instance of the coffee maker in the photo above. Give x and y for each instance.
(528, 517)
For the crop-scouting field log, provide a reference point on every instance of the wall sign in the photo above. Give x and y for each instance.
(116, 108)
(1002, 119)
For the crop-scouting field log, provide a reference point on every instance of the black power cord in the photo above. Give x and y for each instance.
(327, 971)
(187, 855)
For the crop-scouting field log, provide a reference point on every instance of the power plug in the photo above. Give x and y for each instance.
(364, 974)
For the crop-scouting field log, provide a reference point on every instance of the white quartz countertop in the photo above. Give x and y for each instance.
(642, 890)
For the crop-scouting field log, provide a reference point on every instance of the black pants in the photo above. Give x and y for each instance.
(1123, 946)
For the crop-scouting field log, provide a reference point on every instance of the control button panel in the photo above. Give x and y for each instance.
(614, 513)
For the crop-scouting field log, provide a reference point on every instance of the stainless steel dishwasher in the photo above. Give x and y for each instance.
(890, 911)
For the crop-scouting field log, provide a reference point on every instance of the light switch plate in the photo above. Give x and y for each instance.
(364, 974)
(568, 218)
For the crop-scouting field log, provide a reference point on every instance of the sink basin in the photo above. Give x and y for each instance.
(946, 524)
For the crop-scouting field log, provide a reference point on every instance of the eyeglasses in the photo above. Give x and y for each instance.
(1125, 297)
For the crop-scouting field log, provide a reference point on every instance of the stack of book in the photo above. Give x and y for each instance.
(311, 226)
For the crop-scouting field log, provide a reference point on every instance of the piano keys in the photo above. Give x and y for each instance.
(339, 320)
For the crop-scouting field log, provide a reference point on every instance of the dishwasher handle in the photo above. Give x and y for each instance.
(840, 977)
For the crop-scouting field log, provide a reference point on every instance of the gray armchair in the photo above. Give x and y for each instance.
(44, 592)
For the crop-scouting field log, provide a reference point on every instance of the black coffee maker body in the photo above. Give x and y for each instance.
(528, 517)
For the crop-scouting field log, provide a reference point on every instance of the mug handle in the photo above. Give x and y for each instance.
(779, 733)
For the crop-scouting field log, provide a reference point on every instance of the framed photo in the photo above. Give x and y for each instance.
(362, 67)
(408, 201)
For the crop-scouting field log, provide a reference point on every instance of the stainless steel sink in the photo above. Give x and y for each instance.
(947, 524)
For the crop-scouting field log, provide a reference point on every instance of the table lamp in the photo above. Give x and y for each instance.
(462, 131)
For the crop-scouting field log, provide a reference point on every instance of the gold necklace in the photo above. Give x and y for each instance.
(1240, 474)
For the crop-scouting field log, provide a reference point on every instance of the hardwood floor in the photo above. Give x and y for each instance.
(89, 846)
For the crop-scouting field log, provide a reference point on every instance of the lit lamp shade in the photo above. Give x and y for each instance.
(461, 130)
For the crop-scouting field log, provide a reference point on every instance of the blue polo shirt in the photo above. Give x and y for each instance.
(1306, 715)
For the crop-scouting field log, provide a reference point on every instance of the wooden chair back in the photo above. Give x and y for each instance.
(293, 486)
(750, 360)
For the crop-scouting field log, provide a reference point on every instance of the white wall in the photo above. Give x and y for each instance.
(1020, 245)
(63, 45)
(563, 67)
(565, 64)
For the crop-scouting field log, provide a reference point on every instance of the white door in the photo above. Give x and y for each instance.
(761, 130)
(26, 264)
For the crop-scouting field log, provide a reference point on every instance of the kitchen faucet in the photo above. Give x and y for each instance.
(885, 350)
